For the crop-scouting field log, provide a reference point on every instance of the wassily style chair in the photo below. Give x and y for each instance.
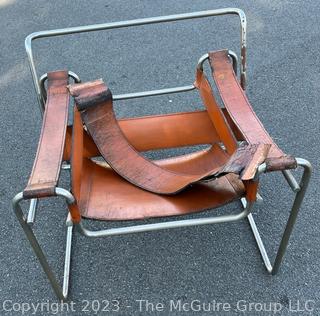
(126, 185)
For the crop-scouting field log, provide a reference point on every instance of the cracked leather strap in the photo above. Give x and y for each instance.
(241, 112)
(94, 101)
(46, 168)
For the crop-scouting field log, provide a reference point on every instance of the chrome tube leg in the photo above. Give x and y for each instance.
(67, 261)
(294, 213)
(60, 293)
(260, 244)
(290, 223)
(32, 211)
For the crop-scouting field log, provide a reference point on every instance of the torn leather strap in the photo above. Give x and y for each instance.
(280, 163)
(46, 168)
(241, 112)
(94, 101)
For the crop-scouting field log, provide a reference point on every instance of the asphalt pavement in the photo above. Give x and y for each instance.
(209, 264)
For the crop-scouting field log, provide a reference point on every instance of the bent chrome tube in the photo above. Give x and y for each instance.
(150, 93)
(260, 244)
(232, 55)
(35, 246)
(44, 77)
(32, 211)
(165, 225)
(138, 22)
(291, 180)
(61, 292)
(234, 58)
(290, 223)
(142, 94)
(307, 170)
(66, 194)
(201, 61)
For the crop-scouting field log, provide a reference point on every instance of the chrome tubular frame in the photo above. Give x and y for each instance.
(300, 191)
(27, 222)
(139, 22)
(165, 225)
(43, 79)
(143, 94)
(62, 293)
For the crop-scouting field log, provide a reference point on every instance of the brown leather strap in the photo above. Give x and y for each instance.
(46, 167)
(76, 154)
(94, 100)
(219, 121)
(246, 160)
(241, 112)
(164, 131)
(237, 104)
(76, 164)
(281, 163)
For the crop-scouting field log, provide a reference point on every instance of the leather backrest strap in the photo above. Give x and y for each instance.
(94, 101)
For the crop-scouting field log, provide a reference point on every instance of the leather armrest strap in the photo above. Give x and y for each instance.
(94, 101)
(46, 168)
(241, 112)
(237, 103)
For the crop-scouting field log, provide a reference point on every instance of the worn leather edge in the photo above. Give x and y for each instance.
(245, 161)
(280, 163)
(258, 157)
(85, 98)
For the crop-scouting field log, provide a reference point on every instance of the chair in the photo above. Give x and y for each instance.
(127, 186)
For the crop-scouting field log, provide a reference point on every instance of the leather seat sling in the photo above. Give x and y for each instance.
(94, 102)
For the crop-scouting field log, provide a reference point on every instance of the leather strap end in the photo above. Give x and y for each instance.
(90, 94)
(40, 190)
(251, 190)
(58, 75)
(75, 213)
(259, 156)
(246, 160)
(281, 163)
